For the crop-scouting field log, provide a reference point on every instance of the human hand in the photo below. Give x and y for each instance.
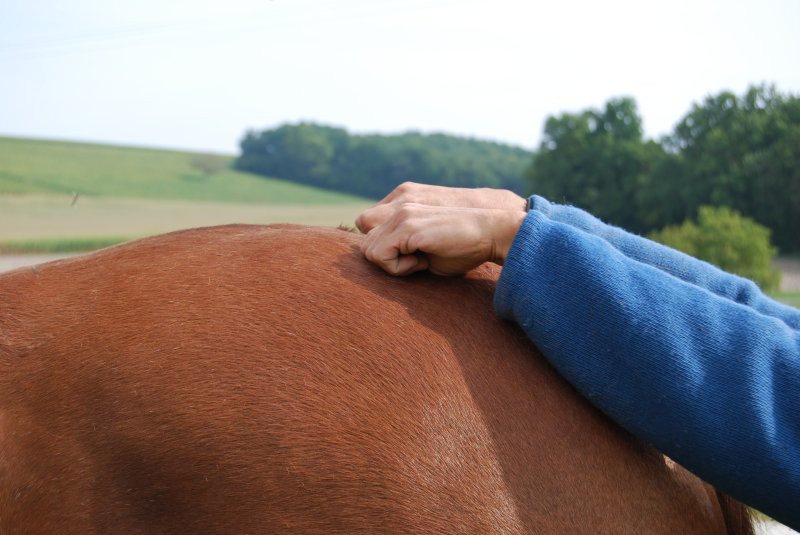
(410, 192)
(446, 240)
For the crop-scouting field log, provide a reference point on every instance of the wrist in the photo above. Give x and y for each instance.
(507, 226)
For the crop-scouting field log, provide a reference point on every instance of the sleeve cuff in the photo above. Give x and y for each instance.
(538, 203)
(521, 256)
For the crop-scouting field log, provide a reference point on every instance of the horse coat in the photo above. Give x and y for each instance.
(248, 379)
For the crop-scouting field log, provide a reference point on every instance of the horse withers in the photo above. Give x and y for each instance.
(247, 379)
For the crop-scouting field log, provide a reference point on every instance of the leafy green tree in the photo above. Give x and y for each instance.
(372, 165)
(597, 160)
(743, 152)
(662, 200)
(775, 189)
(729, 150)
(724, 238)
(304, 152)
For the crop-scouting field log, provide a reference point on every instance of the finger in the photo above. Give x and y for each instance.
(374, 216)
(381, 211)
(378, 249)
(407, 264)
(389, 248)
(398, 194)
(405, 192)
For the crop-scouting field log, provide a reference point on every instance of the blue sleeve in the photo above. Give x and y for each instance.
(712, 382)
(675, 263)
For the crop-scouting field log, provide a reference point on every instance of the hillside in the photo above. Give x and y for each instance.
(126, 192)
(41, 167)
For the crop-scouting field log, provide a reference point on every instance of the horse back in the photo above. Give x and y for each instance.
(268, 379)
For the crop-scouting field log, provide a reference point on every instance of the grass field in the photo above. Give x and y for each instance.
(42, 167)
(126, 193)
(31, 218)
(789, 298)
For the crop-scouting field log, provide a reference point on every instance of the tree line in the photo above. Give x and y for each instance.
(738, 151)
(372, 165)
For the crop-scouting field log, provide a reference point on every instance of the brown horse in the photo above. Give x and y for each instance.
(248, 379)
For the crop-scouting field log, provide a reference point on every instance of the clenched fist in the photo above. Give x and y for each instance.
(448, 231)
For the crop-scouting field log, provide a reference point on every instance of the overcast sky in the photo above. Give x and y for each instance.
(196, 74)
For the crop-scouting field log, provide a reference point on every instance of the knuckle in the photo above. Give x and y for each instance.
(406, 186)
(408, 190)
(407, 209)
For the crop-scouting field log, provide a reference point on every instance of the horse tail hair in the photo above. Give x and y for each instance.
(738, 519)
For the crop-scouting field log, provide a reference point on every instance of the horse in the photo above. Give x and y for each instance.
(267, 379)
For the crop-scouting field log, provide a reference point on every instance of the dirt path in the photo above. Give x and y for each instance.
(9, 262)
(790, 268)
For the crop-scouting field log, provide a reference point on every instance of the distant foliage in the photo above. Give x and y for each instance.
(742, 152)
(372, 165)
(724, 238)
(737, 151)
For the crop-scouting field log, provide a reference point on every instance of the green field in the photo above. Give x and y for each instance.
(57, 167)
(38, 217)
(126, 192)
(789, 298)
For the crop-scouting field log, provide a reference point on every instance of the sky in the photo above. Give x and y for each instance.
(197, 74)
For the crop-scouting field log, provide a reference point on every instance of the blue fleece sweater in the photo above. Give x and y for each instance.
(691, 359)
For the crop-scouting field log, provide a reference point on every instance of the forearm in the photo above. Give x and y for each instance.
(711, 382)
(673, 262)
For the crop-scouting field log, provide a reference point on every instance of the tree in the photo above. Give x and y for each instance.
(729, 150)
(776, 190)
(724, 238)
(306, 153)
(372, 165)
(597, 160)
(743, 152)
